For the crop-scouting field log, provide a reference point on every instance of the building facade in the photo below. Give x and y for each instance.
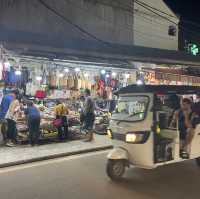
(120, 22)
(152, 30)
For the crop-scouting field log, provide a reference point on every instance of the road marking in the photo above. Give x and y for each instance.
(52, 161)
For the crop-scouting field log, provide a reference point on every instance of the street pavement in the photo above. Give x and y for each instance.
(84, 177)
(25, 154)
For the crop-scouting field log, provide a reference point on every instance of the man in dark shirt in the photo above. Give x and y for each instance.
(33, 118)
(89, 114)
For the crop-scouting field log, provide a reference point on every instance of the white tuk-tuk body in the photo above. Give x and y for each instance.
(136, 139)
(138, 154)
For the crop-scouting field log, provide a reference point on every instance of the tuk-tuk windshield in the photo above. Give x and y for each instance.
(132, 108)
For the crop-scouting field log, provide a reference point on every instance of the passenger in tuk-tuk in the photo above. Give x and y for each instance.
(186, 119)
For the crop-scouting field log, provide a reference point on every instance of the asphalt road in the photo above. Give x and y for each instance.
(84, 177)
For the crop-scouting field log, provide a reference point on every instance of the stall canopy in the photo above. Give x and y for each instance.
(94, 50)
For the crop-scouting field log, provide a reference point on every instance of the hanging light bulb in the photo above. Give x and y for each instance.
(77, 69)
(107, 75)
(140, 82)
(18, 72)
(103, 72)
(61, 75)
(38, 78)
(127, 75)
(66, 70)
(114, 74)
(86, 74)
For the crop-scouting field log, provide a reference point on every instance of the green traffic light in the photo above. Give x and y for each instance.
(194, 49)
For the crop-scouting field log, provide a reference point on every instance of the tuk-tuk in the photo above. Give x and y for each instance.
(140, 128)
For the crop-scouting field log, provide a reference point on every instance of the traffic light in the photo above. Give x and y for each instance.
(193, 49)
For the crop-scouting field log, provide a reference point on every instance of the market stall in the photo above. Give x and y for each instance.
(44, 82)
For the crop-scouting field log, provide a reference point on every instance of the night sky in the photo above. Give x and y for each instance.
(189, 11)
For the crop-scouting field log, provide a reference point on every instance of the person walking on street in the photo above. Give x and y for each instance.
(33, 119)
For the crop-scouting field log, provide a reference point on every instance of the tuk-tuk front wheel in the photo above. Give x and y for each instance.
(198, 161)
(115, 169)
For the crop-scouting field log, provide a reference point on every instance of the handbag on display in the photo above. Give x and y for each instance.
(53, 79)
(57, 123)
(79, 82)
(70, 82)
(76, 82)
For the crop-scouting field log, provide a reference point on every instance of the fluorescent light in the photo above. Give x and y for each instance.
(18, 72)
(38, 78)
(103, 72)
(107, 75)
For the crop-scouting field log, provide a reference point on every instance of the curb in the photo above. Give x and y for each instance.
(55, 156)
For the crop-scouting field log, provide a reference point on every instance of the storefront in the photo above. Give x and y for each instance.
(168, 76)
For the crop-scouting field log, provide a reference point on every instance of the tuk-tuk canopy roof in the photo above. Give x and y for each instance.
(160, 89)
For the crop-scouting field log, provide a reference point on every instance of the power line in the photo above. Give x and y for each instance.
(71, 23)
(128, 27)
(156, 9)
(183, 20)
(183, 28)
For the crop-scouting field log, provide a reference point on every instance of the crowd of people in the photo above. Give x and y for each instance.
(11, 108)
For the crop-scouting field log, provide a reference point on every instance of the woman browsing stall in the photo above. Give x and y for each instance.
(61, 112)
(11, 117)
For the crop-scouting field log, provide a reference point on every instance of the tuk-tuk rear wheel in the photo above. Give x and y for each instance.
(115, 169)
(198, 161)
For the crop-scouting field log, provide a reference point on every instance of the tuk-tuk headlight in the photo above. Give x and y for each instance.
(109, 133)
(134, 138)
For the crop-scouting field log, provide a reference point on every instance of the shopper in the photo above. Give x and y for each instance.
(61, 113)
(11, 117)
(88, 116)
(33, 119)
(5, 103)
